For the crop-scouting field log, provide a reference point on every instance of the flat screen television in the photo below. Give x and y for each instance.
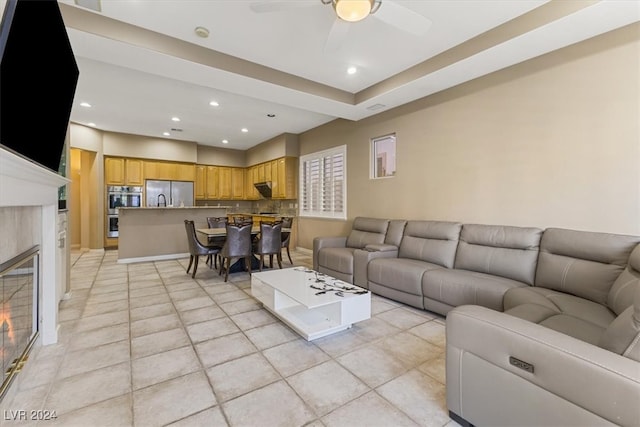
(38, 78)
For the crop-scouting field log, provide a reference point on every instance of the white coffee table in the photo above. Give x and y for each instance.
(312, 312)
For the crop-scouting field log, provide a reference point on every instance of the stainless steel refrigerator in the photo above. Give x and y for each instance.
(169, 193)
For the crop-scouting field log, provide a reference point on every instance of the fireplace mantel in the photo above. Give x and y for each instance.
(24, 183)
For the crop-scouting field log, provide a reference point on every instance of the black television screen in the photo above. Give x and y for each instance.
(38, 80)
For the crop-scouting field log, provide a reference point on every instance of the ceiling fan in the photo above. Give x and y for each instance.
(349, 12)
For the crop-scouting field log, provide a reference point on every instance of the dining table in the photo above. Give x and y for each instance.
(238, 266)
(221, 232)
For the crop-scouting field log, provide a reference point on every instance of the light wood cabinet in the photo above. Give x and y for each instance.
(261, 171)
(225, 183)
(250, 192)
(114, 171)
(284, 178)
(201, 182)
(122, 171)
(237, 183)
(134, 172)
(267, 171)
(184, 172)
(159, 170)
(213, 182)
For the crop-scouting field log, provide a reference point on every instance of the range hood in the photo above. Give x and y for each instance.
(264, 188)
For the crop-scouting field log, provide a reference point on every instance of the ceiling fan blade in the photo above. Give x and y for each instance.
(267, 6)
(403, 18)
(337, 35)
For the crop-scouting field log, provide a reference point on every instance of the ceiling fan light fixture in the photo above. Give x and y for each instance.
(353, 10)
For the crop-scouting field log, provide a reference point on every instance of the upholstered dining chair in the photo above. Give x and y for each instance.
(197, 248)
(237, 245)
(270, 242)
(216, 222)
(287, 222)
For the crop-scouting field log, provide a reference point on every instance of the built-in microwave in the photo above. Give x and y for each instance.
(121, 197)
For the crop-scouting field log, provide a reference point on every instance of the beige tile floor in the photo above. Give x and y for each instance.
(145, 345)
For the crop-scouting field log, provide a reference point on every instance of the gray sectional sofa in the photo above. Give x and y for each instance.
(543, 326)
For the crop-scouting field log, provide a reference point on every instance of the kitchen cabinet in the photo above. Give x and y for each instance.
(250, 192)
(213, 182)
(225, 183)
(284, 178)
(159, 170)
(134, 172)
(237, 183)
(261, 176)
(114, 171)
(123, 171)
(201, 182)
(184, 172)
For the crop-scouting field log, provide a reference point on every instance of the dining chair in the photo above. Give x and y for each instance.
(197, 248)
(287, 222)
(270, 242)
(242, 219)
(236, 245)
(216, 222)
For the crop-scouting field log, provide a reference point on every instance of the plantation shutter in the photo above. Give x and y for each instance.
(323, 182)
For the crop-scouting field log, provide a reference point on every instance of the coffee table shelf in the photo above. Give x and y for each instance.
(288, 294)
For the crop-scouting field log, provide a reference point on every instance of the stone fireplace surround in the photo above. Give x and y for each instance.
(28, 217)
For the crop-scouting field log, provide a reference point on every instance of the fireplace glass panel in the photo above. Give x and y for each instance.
(18, 323)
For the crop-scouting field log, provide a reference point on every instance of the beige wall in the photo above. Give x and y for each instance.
(125, 145)
(220, 156)
(554, 141)
(280, 146)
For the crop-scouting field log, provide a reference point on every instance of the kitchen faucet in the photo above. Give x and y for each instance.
(164, 203)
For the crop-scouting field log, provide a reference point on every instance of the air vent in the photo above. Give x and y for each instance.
(375, 107)
(176, 130)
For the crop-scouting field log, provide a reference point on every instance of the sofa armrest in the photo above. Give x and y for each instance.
(362, 257)
(326, 242)
(380, 248)
(569, 381)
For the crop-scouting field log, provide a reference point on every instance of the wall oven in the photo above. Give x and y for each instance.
(112, 225)
(123, 197)
(120, 197)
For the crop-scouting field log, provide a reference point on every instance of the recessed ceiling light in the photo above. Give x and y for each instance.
(85, 104)
(224, 141)
(166, 133)
(201, 32)
(352, 70)
(214, 104)
(271, 115)
(91, 124)
(245, 130)
(175, 119)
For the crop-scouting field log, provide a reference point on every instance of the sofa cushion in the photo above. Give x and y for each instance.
(366, 231)
(337, 259)
(578, 317)
(621, 294)
(510, 252)
(395, 232)
(581, 263)
(460, 287)
(401, 274)
(430, 241)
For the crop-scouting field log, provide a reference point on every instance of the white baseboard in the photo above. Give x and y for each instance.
(152, 258)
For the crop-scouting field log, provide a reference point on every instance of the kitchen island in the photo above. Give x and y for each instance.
(158, 233)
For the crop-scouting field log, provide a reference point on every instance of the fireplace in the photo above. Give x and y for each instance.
(29, 218)
(18, 312)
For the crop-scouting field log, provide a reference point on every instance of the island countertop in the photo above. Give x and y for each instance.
(157, 233)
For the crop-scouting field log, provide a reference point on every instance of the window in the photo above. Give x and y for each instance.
(383, 156)
(323, 182)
